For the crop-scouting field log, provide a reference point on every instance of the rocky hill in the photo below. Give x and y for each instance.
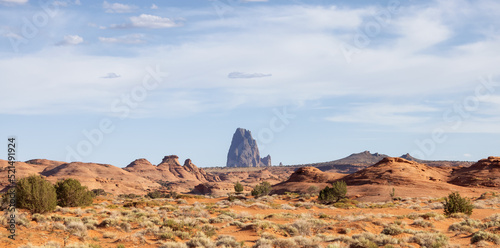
(138, 177)
(397, 171)
(244, 152)
(484, 173)
(304, 178)
(100, 176)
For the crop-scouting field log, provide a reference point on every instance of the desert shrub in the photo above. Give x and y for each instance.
(284, 243)
(487, 236)
(200, 241)
(392, 230)
(454, 203)
(313, 189)
(129, 196)
(209, 230)
(263, 243)
(238, 187)
(262, 189)
(173, 245)
(77, 228)
(337, 192)
(305, 242)
(157, 194)
(303, 227)
(98, 192)
(227, 241)
(434, 240)
(70, 193)
(36, 194)
(422, 223)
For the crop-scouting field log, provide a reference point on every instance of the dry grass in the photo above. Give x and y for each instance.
(271, 221)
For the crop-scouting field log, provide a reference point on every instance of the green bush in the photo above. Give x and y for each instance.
(262, 189)
(238, 187)
(334, 194)
(70, 193)
(454, 203)
(98, 192)
(36, 194)
(157, 194)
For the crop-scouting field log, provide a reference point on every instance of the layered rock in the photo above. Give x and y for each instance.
(484, 173)
(303, 178)
(101, 176)
(397, 171)
(171, 170)
(244, 152)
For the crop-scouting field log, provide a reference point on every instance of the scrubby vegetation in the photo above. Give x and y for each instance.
(238, 187)
(454, 203)
(262, 189)
(70, 193)
(36, 194)
(334, 194)
(291, 220)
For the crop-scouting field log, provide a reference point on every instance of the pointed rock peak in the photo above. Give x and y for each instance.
(172, 160)
(244, 152)
(188, 165)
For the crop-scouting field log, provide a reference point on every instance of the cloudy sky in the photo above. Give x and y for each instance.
(109, 82)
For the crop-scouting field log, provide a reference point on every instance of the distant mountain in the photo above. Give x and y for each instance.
(359, 161)
(349, 164)
(436, 163)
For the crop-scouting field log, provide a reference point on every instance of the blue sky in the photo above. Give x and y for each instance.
(112, 81)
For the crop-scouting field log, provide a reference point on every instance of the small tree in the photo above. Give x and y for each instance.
(262, 189)
(36, 194)
(454, 203)
(337, 192)
(70, 193)
(238, 187)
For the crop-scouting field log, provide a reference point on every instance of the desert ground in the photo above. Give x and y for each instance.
(289, 220)
(392, 203)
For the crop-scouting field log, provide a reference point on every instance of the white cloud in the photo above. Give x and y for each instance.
(126, 39)
(60, 3)
(300, 45)
(77, 2)
(247, 75)
(384, 114)
(154, 6)
(148, 21)
(111, 75)
(70, 40)
(10, 2)
(118, 7)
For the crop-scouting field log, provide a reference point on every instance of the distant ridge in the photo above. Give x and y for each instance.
(359, 161)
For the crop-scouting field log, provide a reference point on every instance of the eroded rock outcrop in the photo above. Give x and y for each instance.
(484, 173)
(170, 170)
